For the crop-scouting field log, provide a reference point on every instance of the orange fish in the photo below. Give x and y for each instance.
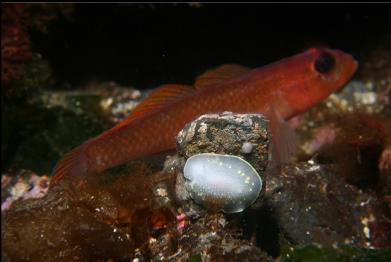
(279, 91)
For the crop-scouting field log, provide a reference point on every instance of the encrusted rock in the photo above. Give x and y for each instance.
(228, 133)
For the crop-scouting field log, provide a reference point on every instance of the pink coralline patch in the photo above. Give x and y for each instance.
(33, 187)
(385, 160)
(323, 136)
(181, 221)
(40, 188)
(6, 204)
(296, 121)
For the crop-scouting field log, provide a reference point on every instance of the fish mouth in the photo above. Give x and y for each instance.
(353, 65)
(349, 62)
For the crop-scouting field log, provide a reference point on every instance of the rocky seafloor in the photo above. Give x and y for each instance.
(332, 203)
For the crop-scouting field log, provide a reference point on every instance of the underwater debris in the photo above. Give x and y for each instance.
(222, 182)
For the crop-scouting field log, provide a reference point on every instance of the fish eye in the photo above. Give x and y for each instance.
(324, 63)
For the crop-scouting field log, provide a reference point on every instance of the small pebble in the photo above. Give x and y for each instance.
(247, 147)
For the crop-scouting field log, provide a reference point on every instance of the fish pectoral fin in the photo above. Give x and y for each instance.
(285, 141)
(219, 75)
(72, 166)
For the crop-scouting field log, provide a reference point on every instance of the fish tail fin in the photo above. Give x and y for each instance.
(72, 166)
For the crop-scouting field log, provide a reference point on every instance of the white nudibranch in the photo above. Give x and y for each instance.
(222, 182)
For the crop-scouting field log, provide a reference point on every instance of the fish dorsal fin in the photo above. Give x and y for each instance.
(219, 75)
(158, 99)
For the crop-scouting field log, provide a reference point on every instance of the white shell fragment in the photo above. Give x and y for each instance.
(247, 147)
(222, 182)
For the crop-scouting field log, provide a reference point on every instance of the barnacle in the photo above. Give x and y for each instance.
(222, 182)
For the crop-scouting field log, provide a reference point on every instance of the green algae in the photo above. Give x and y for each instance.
(194, 258)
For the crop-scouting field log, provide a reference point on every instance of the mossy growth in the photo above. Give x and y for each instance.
(194, 258)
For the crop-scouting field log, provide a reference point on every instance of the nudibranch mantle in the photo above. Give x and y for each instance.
(222, 182)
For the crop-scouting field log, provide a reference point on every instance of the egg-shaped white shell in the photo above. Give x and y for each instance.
(222, 182)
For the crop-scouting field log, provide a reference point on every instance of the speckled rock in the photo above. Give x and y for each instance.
(243, 135)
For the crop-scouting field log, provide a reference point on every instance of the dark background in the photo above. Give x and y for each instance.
(145, 45)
